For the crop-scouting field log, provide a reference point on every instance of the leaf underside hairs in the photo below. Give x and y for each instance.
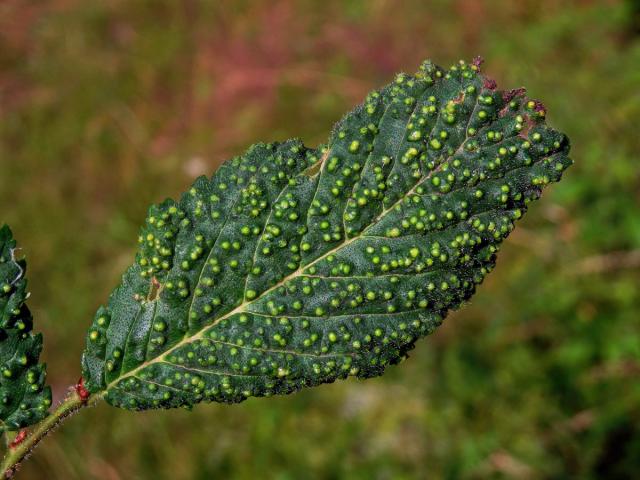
(293, 266)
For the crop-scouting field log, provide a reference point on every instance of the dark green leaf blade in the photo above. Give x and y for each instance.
(24, 397)
(293, 267)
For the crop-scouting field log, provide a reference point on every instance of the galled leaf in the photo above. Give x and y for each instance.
(293, 267)
(24, 398)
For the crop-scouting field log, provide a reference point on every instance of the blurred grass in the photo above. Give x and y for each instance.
(106, 107)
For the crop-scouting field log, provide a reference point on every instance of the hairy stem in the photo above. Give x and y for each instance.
(17, 453)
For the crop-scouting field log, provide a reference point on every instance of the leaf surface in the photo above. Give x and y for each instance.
(292, 267)
(24, 398)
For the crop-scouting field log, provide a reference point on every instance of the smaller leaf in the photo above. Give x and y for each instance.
(24, 398)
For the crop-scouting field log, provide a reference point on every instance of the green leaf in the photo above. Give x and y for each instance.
(293, 267)
(24, 398)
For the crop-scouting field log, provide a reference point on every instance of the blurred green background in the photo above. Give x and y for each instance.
(106, 107)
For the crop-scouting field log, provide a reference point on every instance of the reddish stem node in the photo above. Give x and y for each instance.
(19, 439)
(82, 392)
